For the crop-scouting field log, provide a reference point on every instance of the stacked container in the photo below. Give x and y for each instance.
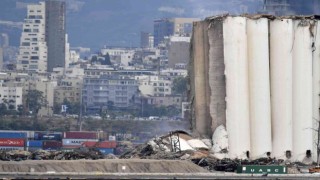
(105, 147)
(52, 145)
(33, 145)
(72, 140)
(12, 140)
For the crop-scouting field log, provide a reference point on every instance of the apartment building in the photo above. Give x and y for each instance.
(99, 92)
(33, 51)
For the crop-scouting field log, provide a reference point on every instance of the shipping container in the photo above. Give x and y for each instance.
(11, 142)
(34, 143)
(10, 148)
(52, 145)
(80, 135)
(102, 144)
(255, 169)
(66, 147)
(47, 136)
(12, 135)
(106, 150)
(112, 138)
(32, 149)
(76, 142)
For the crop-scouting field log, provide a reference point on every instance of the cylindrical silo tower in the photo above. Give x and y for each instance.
(302, 89)
(259, 83)
(237, 86)
(281, 44)
(316, 87)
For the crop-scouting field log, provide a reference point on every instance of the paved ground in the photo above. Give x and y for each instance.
(96, 175)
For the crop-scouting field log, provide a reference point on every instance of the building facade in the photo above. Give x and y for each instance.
(56, 33)
(108, 90)
(69, 89)
(154, 85)
(33, 47)
(11, 96)
(178, 52)
(169, 27)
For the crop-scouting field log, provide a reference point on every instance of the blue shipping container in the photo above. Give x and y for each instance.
(18, 135)
(34, 143)
(106, 150)
(43, 136)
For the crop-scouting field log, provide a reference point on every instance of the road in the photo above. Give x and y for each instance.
(97, 175)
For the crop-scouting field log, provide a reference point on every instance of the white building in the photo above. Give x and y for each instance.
(33, 47)
(11, 96)
(119, 55)
(67, 51)
(154, 85)
(74, 56)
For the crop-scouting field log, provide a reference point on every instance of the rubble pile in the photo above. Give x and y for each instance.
(209, 154)
(19, 155)
(175, 145)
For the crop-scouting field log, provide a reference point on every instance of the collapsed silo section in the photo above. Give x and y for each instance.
(316, 87)
(237, 87)
(216, 74)
(302, 89)
(259, 87)
(199, 80)
(281, 44)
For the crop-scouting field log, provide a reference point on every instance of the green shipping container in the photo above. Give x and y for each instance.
(256, 169)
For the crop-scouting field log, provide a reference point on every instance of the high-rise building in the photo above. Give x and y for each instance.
(291, 7)
(173, 26)
(42, 43)
(33, 47)
(146, 40)
(55, 33)
(178, 52)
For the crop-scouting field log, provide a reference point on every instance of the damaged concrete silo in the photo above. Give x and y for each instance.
(259, 77)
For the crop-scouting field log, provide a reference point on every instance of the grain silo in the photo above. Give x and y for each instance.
(259, 76)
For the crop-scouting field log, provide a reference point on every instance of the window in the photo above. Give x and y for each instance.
(26, 30)
(25, 44)
(33, 66)
(35, 30)
(37, 21)
(34, 57)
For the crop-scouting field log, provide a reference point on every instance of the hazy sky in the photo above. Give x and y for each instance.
(94, 23)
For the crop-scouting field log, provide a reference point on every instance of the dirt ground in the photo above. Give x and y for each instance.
(109, 165)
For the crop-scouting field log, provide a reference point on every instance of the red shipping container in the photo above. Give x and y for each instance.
(12, 142)
(103, 144)
(80, 135)
(52, 144)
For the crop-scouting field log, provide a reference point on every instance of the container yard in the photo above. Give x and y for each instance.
(55, 141)
(258, 76)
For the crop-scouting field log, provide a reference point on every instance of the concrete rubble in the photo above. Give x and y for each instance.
(209, 154)
(19, 155)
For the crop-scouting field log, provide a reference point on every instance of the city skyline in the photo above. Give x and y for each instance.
(119, 23)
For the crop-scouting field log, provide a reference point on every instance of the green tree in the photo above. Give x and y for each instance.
(3, 109)
(94, 59)
(106, 60)
(179, 85)
(110, 105)
(20, 110)
(35, 100)
(72, 107)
